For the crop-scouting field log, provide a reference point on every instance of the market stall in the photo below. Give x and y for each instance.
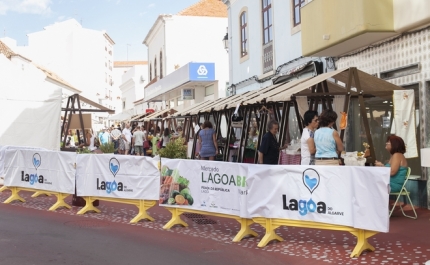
(354, 92)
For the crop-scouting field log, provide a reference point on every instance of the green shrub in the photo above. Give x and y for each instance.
(83, 150)
(174, 149)
(107, 148)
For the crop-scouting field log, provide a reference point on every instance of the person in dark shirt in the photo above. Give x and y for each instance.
(268, 153)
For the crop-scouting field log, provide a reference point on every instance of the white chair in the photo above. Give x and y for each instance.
(404, 192)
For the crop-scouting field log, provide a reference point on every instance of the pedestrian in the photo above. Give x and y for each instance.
(268, 153)
(307, 144)
(127, 134)
(327, 141)
(154, 142)
(166, 137)
(138, 138)
(115, 135)
(209, 145)
(104, 138)
(121, 144)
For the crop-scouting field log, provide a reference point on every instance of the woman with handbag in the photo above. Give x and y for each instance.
(207, 138)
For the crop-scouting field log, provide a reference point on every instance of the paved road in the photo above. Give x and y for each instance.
(29, 236)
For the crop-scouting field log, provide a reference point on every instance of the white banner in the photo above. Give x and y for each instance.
(44, 170)
(341, 195)
(117, 176)
(10, 147)
(211, 186)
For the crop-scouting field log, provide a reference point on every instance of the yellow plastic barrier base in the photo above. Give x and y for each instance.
(3, 188)
(40, 193)
(244, 231)
(272, 224)
(142, 205)
(59, 203)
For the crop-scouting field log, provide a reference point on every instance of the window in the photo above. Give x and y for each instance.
(297, 4)
(161, 65)
(150, 72)
(209, 90)
(267, 21)
(155, 67)
(243, 37)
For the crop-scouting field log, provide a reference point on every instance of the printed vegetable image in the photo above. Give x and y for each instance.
(174, 188)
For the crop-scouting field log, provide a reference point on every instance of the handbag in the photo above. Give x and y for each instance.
(160, 143)
(146, 144)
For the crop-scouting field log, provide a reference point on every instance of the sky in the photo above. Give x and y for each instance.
(126, 21)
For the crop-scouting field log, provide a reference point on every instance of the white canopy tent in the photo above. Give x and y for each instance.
(30, 107)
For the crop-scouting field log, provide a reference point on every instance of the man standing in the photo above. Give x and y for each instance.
(104, 138)
(127, 134)
(115, 134)
(268, 153)
(138, 138)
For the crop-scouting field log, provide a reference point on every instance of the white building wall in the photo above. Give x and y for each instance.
(184, 39)
(198, 39)
(156, 45)
(117, 73)
(132, 86)
(286, 41)
(83, 57)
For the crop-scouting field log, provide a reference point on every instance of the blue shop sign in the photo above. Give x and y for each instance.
(202, 71)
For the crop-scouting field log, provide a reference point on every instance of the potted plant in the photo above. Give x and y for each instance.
(107, 148)
(174, 149)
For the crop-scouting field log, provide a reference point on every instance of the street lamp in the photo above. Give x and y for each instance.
(225, 41)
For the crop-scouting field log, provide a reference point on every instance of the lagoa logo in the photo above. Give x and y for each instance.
(108, 186)
(33, 178)
(311, 180)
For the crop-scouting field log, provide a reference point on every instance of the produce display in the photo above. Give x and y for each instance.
(174, 188)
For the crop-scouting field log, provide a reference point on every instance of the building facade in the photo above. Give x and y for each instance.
(51, 79)
(177, 41)
(381, 38)
(82, 56)
(264, 44)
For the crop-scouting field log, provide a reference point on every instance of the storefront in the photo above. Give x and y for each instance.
(188, 85)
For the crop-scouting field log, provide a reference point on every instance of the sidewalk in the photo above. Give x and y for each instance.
(408, 241)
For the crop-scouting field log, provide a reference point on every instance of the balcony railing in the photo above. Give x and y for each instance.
(268, 57)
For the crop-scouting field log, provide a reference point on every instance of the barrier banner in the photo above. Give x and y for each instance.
(117, 176)
(341, 195)
(350, 196)
(211, 186)
(44, 170)
(10, 147)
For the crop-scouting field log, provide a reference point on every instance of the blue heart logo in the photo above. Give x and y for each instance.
(311, 179)
(36, 160)
(114, 166)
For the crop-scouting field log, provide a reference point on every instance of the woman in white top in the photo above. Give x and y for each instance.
(91, 137)
(166, 137)
(307, 141)
(89, 140)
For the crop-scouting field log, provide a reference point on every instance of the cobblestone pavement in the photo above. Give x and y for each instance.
(408, 241)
